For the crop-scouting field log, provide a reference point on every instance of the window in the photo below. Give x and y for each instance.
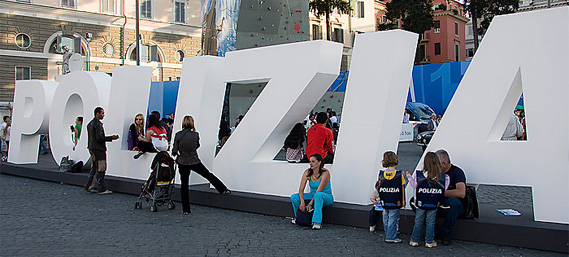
(22, 40)
(72, 43)
(180, 55)
(456, 28)
(338, 35)
(470, 52)
(68, 3)
(108, 49)
(109, 6)
(360, 12)
(421, 54)
(437, 27)
(23, 73)
(456, 53)
(146, 9)
(180, 11)
(148, 53)
(316, 32)
(437, 48)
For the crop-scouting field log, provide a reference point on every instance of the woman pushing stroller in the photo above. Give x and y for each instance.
(186, 143)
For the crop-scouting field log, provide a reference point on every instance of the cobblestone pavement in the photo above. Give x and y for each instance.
(40, 218)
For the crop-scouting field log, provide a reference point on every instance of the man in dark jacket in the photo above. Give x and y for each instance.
(98, 151)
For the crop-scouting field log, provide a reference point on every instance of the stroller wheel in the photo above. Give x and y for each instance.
(138, 205)
(171, 206)
(153, 208)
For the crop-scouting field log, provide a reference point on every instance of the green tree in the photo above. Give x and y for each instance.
(414, 15)
(485, 10)
(324, 8)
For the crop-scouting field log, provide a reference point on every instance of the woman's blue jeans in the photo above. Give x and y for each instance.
(390, 221)
(420, 216)
(320, 200)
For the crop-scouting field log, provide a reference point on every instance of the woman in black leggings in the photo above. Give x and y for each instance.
(186, 143)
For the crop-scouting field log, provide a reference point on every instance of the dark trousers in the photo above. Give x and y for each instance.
(329, 158)
(456, 210)
(97, 174)
(374, 217)
(146, 147)
(185, 171)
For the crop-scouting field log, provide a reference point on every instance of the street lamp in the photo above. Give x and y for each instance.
(88, 37)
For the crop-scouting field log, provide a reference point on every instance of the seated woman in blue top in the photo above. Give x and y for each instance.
(320, 191)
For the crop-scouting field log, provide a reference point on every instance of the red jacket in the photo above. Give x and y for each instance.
(319, 141)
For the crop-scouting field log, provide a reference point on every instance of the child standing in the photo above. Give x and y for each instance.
(391, 190)
(430, 189)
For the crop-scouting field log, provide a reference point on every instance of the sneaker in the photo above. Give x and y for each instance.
(138, 155)
(293, 221)
(371, 228)
(187, 212)
(431, 245)
(394, 241)
(106, 192)
(413, 243)
(316, 226)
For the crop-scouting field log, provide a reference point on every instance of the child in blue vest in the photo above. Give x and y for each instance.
(430, 188)
(391, 190)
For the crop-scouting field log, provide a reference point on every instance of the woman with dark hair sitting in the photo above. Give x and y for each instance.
(320, 194)
(186, 143)
(295, 144)
(156, 139)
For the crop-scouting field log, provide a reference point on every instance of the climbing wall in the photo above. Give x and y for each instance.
(271, 22)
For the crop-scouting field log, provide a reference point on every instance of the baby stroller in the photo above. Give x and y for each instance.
(159, 187)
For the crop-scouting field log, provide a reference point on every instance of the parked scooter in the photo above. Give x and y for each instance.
(424, 138)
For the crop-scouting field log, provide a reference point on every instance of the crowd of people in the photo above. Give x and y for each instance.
(439, 187)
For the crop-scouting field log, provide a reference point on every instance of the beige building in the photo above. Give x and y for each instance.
(34, 34)
(344, 27)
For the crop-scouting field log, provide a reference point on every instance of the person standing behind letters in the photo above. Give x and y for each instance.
(98, 150)
(514, 130)
(320, 140)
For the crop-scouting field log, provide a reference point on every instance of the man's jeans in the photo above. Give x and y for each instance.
(455, 211)
(390, 221)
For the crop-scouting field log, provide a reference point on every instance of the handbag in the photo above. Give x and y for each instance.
(470, 203)
(304, 218)
(66, 164)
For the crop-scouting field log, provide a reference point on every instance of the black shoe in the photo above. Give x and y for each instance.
(226, 192)
(187, 212)
(44, 153)
(446, 241)
(138, 155)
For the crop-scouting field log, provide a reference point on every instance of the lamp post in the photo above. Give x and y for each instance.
(88, 37)
(137, 33)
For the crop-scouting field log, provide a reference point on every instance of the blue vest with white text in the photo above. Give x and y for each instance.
(390, 190)
(429, 195)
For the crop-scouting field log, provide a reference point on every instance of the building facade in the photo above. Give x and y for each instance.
(446, 41)
(35, 33)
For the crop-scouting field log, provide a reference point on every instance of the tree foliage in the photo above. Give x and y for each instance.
(325, 7)
(485, 10)
(415, 15)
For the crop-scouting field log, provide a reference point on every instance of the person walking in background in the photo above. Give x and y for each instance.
(514, 129)
(135, 130)
(186, 143)
(98, 150)
(4, 146)
(224, 130)
(295, 143)
(433, 123)
(320, 140)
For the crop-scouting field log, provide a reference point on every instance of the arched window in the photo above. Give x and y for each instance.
(70, 42)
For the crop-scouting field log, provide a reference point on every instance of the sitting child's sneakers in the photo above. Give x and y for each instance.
(293, 221)
(371, 228)
(412, 243)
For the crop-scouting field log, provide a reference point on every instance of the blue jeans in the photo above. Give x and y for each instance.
(431, 216)
(456, 210)
(320, 200)
(390, 223)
